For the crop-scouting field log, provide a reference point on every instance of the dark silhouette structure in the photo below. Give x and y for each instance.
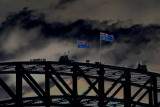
(113, 86)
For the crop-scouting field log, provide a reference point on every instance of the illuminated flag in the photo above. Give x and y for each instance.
(106, 37)
(82, 44)
(109, 38)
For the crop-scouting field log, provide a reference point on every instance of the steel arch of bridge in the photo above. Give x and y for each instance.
(125, 86)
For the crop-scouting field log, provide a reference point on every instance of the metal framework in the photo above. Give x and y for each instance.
(107, 86)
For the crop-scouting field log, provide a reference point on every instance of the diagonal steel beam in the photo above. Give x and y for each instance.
(32, 86)
(88, 80)
(134, 96)
(29, 79)
(58, 85)
(34, 82)
(113, 94)
(61, 79)
(115, 83)
(139, 99)
(90, 88)
(7, 89)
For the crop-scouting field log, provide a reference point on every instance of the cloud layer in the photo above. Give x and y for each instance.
(27, 30)
(27, 34)
(139, 12)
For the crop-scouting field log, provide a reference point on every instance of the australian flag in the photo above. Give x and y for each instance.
(83, 44)
(106, 37)
(109, 38)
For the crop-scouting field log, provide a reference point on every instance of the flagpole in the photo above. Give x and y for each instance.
(77, 50)
(100, 50)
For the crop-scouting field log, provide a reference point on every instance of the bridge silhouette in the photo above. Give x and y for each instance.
(125, 86)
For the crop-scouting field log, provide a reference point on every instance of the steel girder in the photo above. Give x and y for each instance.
(112, 85)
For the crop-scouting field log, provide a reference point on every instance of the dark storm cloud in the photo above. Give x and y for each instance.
(134, 40)
(62, 4)
(24, 20)
(139, 11)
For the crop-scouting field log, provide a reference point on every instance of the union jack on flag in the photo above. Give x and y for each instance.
(103, 36)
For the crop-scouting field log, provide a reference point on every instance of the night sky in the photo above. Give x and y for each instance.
(47, 28)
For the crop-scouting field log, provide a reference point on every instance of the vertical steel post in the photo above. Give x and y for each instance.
(74, 80)
(150, 97)
(47, 86)
(19, 73)
(154, 79)
(127, 90)
(101, 94)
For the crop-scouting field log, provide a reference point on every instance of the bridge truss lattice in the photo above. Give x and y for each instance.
(103, 85)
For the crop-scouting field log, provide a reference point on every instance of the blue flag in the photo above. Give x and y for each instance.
(82, 44)
(109, 38)
(106, 37)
